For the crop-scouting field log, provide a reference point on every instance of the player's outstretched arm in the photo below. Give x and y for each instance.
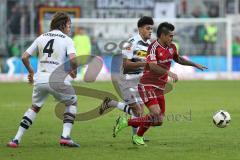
(186, 62)
(25, 60)
(161, 71)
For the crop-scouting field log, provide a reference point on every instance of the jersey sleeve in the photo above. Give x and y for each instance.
(31, 50)
(70, 47)
(127, 51)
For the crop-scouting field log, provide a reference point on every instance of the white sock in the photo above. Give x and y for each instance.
(122, 106)
(30, 114)
(68, 121)
(19, 134)
(67, 127)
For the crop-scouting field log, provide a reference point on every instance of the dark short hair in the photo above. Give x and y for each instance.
(164, 28)
(59, 21)
(145, 21)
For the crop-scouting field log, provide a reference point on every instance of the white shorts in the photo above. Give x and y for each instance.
(63, 93)
(129, 91)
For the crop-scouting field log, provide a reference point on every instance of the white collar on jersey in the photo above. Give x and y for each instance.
(56, 30)
(142, 39)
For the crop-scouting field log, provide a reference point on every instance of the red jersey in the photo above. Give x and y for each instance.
(162, 57)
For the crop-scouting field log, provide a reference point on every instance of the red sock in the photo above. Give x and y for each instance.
(142, 130)
(140, 121)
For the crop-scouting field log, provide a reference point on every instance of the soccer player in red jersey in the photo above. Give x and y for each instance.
(160, 54)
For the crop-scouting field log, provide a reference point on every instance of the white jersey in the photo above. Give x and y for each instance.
(53, 50)
(136, 51)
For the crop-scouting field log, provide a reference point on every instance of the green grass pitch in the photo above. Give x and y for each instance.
(187, 133)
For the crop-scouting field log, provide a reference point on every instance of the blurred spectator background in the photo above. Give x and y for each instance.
(20, 23)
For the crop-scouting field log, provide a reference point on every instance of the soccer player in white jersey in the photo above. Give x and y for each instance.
(54, 49)
(134, 60)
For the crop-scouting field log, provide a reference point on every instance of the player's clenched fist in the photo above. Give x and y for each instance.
(30, 78)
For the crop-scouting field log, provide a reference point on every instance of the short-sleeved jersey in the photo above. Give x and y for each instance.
(53, 50)
(162, 57)
(135, 51)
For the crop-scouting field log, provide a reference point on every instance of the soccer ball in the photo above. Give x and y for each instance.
(221, 118)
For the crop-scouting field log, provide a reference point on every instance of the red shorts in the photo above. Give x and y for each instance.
(152, 95)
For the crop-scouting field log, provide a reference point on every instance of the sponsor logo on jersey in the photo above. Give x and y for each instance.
(141, 53)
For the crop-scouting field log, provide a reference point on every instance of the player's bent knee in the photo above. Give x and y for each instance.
(71, 101)
(156, 115)
(156, 119)
(136, 111)
(74, 104)
(35, 108)
(68, 97)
